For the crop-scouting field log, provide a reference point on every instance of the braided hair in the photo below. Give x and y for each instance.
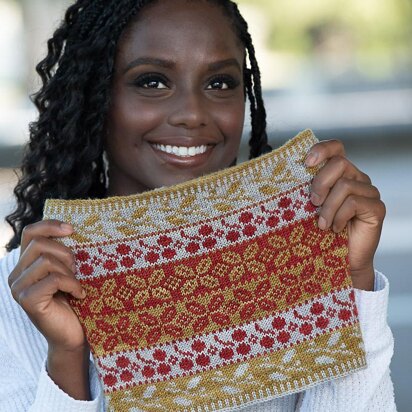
(64, 156)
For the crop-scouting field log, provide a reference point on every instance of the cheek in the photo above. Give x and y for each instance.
(130, 118)
(231, 122)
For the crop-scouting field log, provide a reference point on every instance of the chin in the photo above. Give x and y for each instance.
(176, 179)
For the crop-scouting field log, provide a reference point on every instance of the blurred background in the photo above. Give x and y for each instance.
(341, 68)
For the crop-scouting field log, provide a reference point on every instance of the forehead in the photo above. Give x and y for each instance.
(181, 27)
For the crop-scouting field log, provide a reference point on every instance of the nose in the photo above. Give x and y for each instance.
(189, 110)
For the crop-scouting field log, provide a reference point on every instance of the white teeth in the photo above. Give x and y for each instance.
(191, 151)
(181, 150)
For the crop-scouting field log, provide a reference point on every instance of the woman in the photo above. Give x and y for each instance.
(158, 89)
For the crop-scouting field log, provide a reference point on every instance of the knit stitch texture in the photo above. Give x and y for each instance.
(214, 293)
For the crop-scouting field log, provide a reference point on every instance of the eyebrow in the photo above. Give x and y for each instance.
(221, 64)
(169, 64)
(141, 61)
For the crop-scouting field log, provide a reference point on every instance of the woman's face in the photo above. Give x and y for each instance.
(178, 100)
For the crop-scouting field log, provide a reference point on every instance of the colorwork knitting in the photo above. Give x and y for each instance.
(217, 292)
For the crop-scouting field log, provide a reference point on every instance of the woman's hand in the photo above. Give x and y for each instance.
(348, 198)
(38, 283)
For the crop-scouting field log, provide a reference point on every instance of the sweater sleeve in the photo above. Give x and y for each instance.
(24, 382)
(19, 391)
(370, 389)
(49, 397)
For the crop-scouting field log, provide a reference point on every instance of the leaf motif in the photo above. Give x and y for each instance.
(80, 238)
(230, 390)
(233, 188)
(334, 339)
(161, 293)
(139, 212)
(241, 370)
(193, 383)
(301, 250)
(114, 303)
(327, 241)
(251, 250)
(176, 220)
(188, 201)
(91, 220)
(96, 306)
(203, 266)
(182, 401)
(277, 376)
(296, 235)
(289, 356)
(148, 393)
(223, 207)
(219, 379)
(322, 360)
(268, 189)
(126, 230)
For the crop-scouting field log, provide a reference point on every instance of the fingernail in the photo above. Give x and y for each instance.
(66, 228)
(311, 159)
(84, 294)
(322, 224)
(315, 199)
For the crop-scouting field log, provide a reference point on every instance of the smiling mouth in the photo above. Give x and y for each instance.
(182, 151)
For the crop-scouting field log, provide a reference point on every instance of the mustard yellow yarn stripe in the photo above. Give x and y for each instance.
(331, 355)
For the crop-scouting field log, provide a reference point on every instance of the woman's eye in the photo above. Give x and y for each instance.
(151, 82)
(218, 85)
(154, 84)
(222, 83)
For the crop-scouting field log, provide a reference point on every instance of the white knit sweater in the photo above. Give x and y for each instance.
(26, 386)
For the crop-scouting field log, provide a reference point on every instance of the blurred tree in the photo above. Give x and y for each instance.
(377, 32)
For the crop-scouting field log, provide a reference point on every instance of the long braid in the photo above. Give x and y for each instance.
(259, 140)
